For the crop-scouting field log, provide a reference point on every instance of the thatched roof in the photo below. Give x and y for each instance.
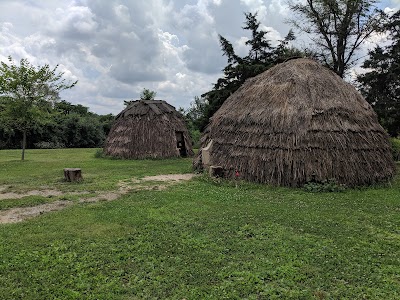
(147, 129)
(299, 122)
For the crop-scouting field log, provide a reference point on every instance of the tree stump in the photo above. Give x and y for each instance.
(73, 174)
(216, 171)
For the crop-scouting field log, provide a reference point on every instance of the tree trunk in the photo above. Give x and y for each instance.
(73, 174)
(23, 144)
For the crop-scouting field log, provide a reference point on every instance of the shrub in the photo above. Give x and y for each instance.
(195, 135)
(325, 186)
(49, 145)
(395, 148)
(99, 153)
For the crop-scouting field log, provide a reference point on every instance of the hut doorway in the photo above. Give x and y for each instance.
(180, 143)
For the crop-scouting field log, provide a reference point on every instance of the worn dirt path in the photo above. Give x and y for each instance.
(19, 214)
(43, 193)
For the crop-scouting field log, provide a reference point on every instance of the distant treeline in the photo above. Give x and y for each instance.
(67, 126)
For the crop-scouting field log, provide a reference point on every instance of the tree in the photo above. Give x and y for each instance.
(285, 51)
(66, 108)
(72, 126)
(28, 93)
(381, 84)
(194, 117)
(261, 57)
(82, 131)
(146, 94)
(337, 27)
(106, 122)
(196, 112)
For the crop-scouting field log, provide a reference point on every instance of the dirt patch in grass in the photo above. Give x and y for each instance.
(14, 215)
(135, 184)
(169, 177)
(19, 214)
(43, 193)
(110, 196)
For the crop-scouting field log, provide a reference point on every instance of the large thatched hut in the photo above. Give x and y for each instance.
(148, 129)
(298, 122)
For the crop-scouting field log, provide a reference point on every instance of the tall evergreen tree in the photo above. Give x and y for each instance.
(381, 85)
(261, 56)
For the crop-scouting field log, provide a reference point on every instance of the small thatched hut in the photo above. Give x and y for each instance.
(148, 129)
(295, 123)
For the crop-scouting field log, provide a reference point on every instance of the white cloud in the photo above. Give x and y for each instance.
(273, 35)
(240, 46)
(256, 6)
(122, 13)
(280, 7)
(180, 75)
(74, 20)
(5, 27)
(396, 4)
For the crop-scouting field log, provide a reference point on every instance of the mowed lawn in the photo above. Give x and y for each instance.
(200, 239)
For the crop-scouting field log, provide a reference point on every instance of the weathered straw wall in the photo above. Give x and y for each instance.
(299, 122)
(147, 130)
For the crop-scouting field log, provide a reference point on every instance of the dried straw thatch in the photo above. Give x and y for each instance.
(295, 123)
(148, 129)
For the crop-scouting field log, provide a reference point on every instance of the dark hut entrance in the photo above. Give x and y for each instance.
(180, 143)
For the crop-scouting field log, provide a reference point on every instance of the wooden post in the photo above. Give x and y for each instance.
(72, 174)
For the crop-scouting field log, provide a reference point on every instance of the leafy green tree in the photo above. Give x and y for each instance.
(381, 84)
(147, 94)
(81, 132)
(337, 27)
(193, 117)
(261, 56)
(63, 107)
(49, 135)
(6, 133)
(73, 126)
(28, 93)
(197, 112)
(106, 122)
(66, 108)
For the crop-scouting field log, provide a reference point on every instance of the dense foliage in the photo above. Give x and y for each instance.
(337, 28)
(27, 93)
(395, 148)
(67, 125)
(381, 85)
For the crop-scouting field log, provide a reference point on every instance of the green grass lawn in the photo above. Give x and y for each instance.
(195, 240)
(44, 168)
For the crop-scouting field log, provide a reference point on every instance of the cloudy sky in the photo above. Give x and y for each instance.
(115, 48)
